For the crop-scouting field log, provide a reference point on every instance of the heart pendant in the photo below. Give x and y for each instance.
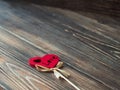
(48, 61)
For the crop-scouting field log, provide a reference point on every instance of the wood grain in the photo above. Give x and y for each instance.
(104, 7)
(90, 49)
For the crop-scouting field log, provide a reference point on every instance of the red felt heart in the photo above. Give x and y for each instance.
(48, 60)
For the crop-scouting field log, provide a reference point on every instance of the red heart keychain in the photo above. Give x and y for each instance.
(50, 62)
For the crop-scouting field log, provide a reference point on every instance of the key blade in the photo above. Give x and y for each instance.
(70, 82)
(58, 75)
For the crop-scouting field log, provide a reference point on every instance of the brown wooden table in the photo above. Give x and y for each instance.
(89, 48)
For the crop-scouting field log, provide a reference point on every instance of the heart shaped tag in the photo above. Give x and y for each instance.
(48, 61)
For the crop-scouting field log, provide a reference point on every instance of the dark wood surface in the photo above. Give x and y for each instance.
(108, 7)
(89, 48)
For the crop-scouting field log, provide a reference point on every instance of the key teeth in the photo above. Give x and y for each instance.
(58, 77)
(57, 74)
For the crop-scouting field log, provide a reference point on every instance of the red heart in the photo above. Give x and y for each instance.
(48, 60)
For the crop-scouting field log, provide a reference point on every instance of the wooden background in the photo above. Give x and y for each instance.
(107, 7)
(89, 48)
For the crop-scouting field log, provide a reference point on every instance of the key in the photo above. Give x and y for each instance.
(58, 75)
(48, 63)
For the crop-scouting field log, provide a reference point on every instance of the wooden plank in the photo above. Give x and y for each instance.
(18, 56)
(104, 7)
(89, 49)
